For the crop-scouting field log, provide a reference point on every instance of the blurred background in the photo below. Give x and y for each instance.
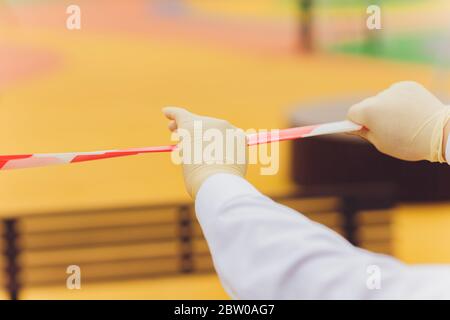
(128, 222)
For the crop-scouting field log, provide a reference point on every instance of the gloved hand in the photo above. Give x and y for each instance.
(232, 160)
(405, 121)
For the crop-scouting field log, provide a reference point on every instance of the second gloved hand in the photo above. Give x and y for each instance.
(232, 159)
(405, 121)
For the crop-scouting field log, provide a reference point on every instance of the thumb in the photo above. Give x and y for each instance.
(358, 112)
(177, 114)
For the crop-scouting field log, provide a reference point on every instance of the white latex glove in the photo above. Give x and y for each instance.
(232, 160)
(405, 121)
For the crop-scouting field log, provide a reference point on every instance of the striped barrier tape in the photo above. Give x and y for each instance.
(9, 162)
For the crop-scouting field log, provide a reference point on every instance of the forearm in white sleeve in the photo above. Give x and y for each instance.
(263, 250)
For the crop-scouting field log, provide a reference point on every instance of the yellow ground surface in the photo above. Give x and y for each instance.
(422, 233)
(180, 287)
(108, 94)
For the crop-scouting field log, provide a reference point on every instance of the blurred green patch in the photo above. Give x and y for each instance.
(423, 48)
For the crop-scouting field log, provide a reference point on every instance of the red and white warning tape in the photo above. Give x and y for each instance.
(9, 162)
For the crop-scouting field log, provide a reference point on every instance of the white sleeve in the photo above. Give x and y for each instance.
(263, 250)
